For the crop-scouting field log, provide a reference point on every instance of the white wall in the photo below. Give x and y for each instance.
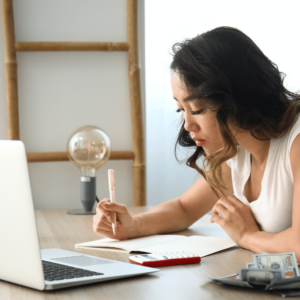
(59, 92)
(274, 27)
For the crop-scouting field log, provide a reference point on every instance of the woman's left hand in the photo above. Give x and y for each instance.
(237, 221)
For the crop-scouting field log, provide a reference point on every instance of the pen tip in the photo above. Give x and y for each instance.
(114, 230)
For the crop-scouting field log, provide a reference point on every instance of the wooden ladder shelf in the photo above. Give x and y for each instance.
(10, 48)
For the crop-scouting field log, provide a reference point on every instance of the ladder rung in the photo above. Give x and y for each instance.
(71, 46)
(63, 156)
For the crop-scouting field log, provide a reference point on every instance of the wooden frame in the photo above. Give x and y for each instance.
(71, 46)
(63, 156)
(10, 48)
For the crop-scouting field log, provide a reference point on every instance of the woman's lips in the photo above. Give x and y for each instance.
(199, 143)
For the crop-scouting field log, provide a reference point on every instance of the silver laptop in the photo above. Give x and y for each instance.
(21, 260)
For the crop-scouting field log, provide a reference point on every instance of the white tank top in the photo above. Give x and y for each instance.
(273, 208)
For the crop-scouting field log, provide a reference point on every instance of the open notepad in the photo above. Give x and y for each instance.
(201, 245)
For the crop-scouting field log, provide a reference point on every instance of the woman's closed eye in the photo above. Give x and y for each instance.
(192, 112)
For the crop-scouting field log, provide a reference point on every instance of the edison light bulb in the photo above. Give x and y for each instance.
(88, 148)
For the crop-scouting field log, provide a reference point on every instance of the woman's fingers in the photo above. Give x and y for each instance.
(103, 213)
(108, 213)
(106, 208)
(104, 229)
(103, 226)
(217, 219)
(225, 202)
(230, 203)
(219, 208)
(103, 222)
(115, 207)
(98, 225)
(235, 201)
(106, 233)
(103, 201)
(100, 221)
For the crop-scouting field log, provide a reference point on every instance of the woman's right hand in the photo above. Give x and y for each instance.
(102, 221)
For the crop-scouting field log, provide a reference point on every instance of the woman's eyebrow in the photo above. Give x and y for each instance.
(190, 98)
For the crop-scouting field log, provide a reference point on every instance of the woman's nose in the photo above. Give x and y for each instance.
(190, 125)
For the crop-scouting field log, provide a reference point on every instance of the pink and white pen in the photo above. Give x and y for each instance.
(111, 185)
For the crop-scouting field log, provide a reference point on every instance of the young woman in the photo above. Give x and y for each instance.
(244, 124)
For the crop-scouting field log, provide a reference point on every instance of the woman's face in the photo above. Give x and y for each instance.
(201, 123)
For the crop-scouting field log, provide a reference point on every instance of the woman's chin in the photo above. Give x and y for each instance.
(205, 149)
(210, 150)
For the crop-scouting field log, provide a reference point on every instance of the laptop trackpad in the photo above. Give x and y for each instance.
(82, 261)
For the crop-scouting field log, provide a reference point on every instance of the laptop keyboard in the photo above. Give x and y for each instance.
(53, 271)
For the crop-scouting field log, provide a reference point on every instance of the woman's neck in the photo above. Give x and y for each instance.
(258, 149)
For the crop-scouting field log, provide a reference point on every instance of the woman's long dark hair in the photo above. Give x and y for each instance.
(226, 71)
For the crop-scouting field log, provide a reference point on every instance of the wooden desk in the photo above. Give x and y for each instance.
(57, 229)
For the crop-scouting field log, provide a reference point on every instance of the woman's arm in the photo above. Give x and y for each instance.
(171, 216)
(239, 224)
(180, 213)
